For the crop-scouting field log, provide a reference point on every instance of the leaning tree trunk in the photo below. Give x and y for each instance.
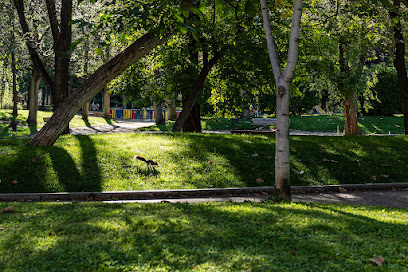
(282, 82)
(399, 63)
(33, 98)
(91, 86)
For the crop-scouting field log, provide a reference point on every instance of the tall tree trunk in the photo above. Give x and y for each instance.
(350, 114)
(399, 62)
(92, 85)
(282, 82)
(33, 98)
(158, 113)
(193, 122)
(15, 94)
(171, 109)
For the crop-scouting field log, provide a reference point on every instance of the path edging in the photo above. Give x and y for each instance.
(192, 193)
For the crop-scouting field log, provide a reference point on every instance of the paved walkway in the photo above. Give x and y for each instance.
(118, 127)
(123, 126)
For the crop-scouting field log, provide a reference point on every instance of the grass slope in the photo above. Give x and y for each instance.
(105, 162)
(202, 237)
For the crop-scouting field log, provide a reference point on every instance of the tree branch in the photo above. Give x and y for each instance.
(35, 58)
(294, 41)
(52, 14)
(273, 56)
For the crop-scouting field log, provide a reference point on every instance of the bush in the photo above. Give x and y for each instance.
(387, 90)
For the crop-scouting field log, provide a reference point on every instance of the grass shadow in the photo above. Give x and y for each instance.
(185, 237)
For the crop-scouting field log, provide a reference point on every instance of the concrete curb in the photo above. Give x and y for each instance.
(192, 193)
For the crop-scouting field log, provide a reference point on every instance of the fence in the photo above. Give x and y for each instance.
(136, 114)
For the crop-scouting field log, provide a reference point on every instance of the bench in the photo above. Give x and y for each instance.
(46, 119)
(264, 122)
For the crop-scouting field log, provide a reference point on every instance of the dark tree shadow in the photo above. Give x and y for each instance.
(181, 237)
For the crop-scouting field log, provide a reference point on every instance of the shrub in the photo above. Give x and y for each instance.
(387, 90)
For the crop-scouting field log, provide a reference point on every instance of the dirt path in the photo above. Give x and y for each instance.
(117, 127)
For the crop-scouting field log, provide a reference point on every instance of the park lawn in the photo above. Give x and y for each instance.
(24, 130)
(335, 123)
(317, 122)
(106, 162)
(202, 237)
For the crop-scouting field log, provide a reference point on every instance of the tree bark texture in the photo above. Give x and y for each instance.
(350, 114)
(158, 113)
(85, 111)
(399, 63)
(62, 37)
(193, 121)
(15, 94)
(33, 98)
(106, 103)
(282, 83)
(348, 98)
(91, 86)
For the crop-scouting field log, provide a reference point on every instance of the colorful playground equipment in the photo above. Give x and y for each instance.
(136, 114)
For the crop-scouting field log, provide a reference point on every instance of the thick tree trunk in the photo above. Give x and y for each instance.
(91, 86)
(33, 98)
(282, 81)
(158, 113)
(350, 114)
(15, 94)
(171, 109)
(399, 63)
(193, 122)
(106, 103)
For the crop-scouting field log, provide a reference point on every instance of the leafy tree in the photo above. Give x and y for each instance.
(95, 82)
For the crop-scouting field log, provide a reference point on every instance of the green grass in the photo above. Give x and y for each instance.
(24, 130)
(335, 123)
(202, 237)
(105, 162)
(322, 123)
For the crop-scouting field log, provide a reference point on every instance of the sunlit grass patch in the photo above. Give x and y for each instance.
(187, 161)
(201, 237)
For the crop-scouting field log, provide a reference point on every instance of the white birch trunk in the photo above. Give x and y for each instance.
(282, 83)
